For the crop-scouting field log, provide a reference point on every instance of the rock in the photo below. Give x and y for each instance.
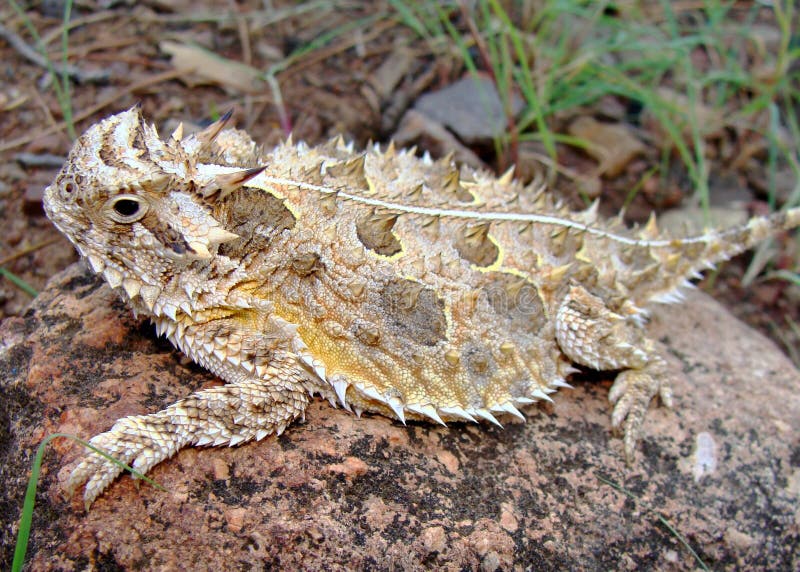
(337, 492)
(471, 108)
(415, 127)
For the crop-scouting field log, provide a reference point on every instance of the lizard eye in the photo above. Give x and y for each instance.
(126, 208)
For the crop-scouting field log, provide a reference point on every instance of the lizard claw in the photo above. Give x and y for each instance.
(631, 394)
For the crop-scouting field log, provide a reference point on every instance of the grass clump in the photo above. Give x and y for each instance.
(696, 73)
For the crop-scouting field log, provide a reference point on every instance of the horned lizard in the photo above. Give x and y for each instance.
(381, 281)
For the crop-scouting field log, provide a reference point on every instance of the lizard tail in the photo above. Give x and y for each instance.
(675, 261)
(728, 243)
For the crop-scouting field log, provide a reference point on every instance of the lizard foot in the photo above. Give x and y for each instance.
(631, 394)
(140, 441)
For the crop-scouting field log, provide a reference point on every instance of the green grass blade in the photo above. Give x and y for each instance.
(321, 41)
(24, 531)
(787, 275)
(409, 17)
(26, 516)
(59, 83)
(19, 282)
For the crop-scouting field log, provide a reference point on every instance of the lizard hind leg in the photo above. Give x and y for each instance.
(224, 415)
(591, 334)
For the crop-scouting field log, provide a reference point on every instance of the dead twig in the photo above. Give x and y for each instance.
(483, 50)
(378, 29)
(77, 22)
(107, 44)
(247, 50)
(28, 250)
(39, 159)
(30, 54)
(37, 96)
(259, 19)
(115, 98)
(132, 60)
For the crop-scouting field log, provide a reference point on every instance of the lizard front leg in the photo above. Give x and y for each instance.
(590, 334)
(269, 389)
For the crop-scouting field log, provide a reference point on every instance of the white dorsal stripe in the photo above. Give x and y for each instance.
(262, 181)
(476, 215)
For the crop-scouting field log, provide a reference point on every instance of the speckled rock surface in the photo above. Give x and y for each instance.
(337, 492)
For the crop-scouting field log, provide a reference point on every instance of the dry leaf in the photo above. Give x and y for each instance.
(681, 110)
(611, 144)
(391, 71)
(203, 66)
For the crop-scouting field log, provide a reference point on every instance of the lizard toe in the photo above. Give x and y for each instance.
(631, 394)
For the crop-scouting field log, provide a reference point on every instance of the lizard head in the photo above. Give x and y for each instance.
(139, 208)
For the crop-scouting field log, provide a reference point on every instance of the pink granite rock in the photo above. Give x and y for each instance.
(337, 492)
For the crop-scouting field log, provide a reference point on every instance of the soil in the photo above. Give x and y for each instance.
(336, 87)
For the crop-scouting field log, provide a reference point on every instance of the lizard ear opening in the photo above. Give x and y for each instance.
(222, 185)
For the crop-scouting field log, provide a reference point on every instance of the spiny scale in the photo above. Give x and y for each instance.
(380, 281)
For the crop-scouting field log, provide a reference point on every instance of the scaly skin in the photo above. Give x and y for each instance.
(380, 281)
